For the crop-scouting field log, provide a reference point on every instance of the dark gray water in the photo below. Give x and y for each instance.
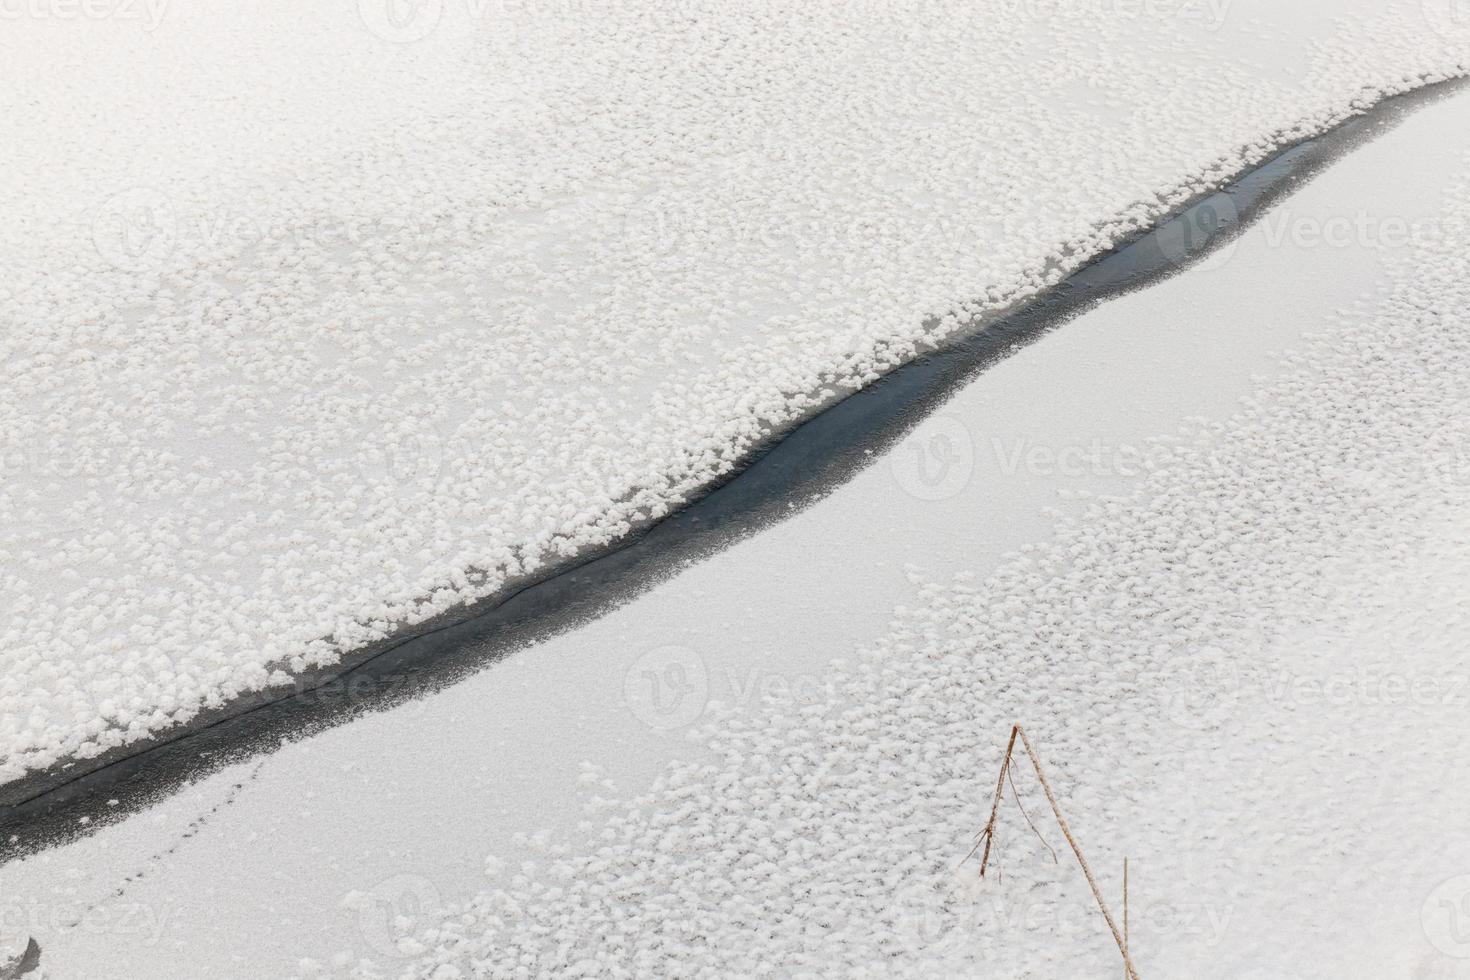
(802, 465)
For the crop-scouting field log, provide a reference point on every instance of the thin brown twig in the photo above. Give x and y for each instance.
(1067, 833)
(1011, 778)
(1000, 785)
(1125, 909)
(987, 836)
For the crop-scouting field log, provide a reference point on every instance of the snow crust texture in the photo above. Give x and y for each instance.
(317, 322)
(1155, 647)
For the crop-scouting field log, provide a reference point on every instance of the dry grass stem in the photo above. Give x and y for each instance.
(987, 836)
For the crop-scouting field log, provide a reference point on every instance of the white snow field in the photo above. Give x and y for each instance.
(319, 319)
(1245, 671)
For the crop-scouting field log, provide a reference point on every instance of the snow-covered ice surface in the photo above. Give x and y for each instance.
(1247, 675)
(321, 320)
